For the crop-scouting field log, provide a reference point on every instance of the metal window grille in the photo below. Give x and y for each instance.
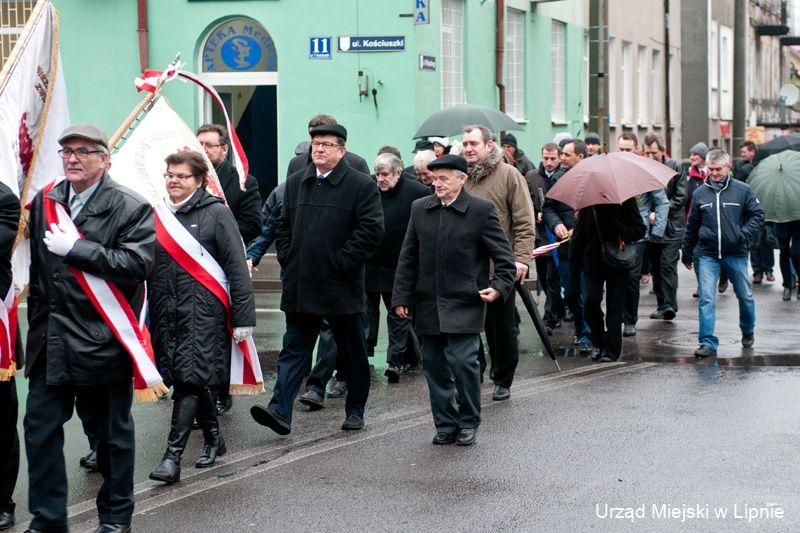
(13, 16)
(558, 81)
(515, 64)
(452, 53)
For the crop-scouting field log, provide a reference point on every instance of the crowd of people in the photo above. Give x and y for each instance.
(441, 245)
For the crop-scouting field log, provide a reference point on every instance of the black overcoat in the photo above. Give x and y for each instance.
(245, 204)
(612, 222)
(396, 203)
(445, 262)
(188, 323)
(65, 332)
(325, 233)
(9, 222)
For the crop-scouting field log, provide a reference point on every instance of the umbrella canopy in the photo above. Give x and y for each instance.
(776, 146)
(609, 179)
(450, 121)
(776, 184)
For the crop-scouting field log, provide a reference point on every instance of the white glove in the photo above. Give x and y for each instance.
(58, 241)
(240, 334)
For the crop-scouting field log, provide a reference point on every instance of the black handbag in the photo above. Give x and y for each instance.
(615, 254)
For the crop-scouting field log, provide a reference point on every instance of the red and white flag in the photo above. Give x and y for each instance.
(33, 113)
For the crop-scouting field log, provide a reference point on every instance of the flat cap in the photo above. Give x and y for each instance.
(87, 132)
(455, 162)
(329, 129)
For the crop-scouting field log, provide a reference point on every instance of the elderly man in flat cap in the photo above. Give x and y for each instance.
(331, 222)
(72, 351)
(444, 270)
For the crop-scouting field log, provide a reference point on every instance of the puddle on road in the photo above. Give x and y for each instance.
(739, 362)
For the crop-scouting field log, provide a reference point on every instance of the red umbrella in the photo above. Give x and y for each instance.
(609, 179)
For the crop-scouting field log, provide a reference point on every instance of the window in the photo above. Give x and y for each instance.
(641, 84)
(627, 83)
(726, 72)
(713, 70)
(452, 53)
(515, 64)
(657, 93)
(13, 16)
(611, 76)
(673, 94)
(557, 67)
(586, 105)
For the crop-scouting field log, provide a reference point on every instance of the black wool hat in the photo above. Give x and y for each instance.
(592, 138)
(455, 162)
(422, 144)
(509, 139)
(329, 129)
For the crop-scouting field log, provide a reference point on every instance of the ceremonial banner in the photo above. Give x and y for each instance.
(33, 113)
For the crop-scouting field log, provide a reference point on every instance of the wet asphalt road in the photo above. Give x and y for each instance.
(656, 429)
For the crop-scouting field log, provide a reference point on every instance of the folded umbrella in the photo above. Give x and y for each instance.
(776, 146)
(450, 121)
(776, 183)
(530, 305)
(609, 179)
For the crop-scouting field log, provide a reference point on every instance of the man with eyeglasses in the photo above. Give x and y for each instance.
(331, 222)
(71, 349)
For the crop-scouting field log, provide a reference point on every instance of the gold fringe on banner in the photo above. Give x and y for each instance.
(247, 390)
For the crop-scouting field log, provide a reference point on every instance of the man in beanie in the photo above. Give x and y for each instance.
(514, 156)
(592, 141)
(444, 268)
(331, 222)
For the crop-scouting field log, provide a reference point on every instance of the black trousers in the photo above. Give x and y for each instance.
(294, 360)
(664, 260)
(630, 313)
(9, 444)
(502, 330)
(610, 336)
(84, 412)
(400, 351)
(326, 361)
(48, 409)
(450, 363)
(788, 236)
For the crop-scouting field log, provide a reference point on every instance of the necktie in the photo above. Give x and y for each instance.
(320, 179)
(75, 206)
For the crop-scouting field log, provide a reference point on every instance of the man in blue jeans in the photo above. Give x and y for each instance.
(724, 221)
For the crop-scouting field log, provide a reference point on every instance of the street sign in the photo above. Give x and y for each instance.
(319, 47)
(385, 43)
(422, 11)
(427, 62)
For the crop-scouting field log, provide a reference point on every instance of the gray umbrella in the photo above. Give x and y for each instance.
(450, 121)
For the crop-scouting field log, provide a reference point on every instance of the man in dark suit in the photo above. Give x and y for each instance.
(301, 161)
(330, 223)
(443, 272)
(9, 439)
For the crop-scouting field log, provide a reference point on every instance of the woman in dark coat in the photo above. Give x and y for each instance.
(618, 224)
(189, 325)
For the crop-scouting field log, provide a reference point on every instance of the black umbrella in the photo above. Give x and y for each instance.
(530, 305)
(776, 146)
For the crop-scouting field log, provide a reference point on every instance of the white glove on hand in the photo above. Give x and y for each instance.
(58, 241)
(240, 334)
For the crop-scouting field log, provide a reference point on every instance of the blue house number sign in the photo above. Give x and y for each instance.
(319, 47)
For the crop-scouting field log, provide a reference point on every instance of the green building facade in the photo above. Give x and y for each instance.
(278, 62)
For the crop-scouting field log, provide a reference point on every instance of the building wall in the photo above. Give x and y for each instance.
(694, 72)
(100, 55)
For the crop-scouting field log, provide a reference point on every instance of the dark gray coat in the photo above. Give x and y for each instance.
(188, 323)
(246, 205)
(325, 233)
(445, 262)
(65, 332)
(9, 222)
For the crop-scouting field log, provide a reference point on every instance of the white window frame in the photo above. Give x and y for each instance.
(657, 93)
(641, 84)
(12, 24)
(611, 80)
(514, 64)
(558, 78)
(626, 89)
(585, 104)
(726, 72)
(452, 40)
(713, 69)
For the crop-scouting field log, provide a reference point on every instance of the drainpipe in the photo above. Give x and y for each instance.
(141, 30)
(499, 44)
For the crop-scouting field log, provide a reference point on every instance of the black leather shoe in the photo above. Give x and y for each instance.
(210, 454)
(466, 437)
(6, 521)
(224, 405)
(353, 423)
(501, 393)
(339, 390)
(442, 438)
(269, 418)
(113, 528)
(705, 351)
(669, 313)
(89, 461)
(393, 374)
(313, 400)
(748, 340)
(169, 471)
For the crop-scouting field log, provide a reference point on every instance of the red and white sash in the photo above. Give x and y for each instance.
(116, 312)
(8, 335)
(246, 377)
